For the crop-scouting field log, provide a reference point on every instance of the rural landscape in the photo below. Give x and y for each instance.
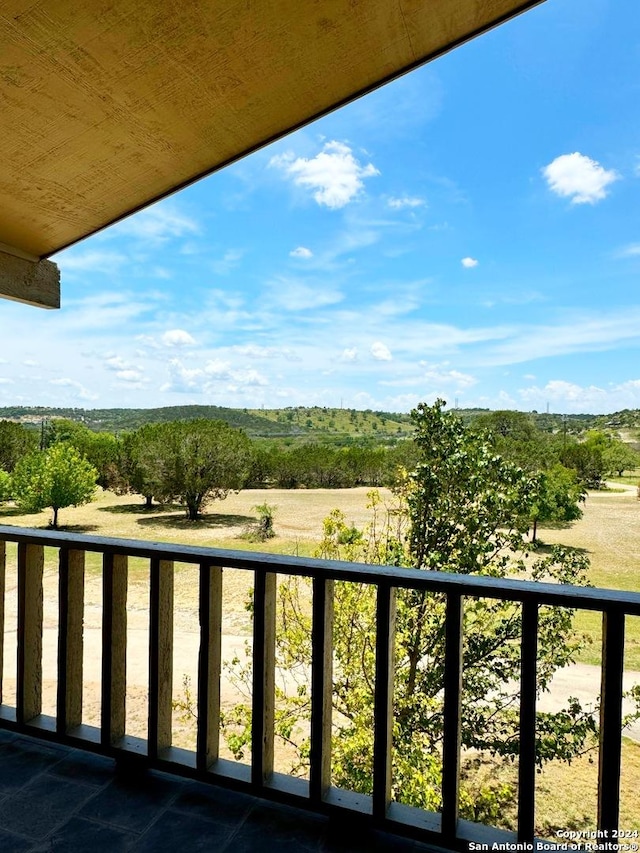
(506, 493)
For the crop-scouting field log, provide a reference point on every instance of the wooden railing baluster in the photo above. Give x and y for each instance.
(30, 600)
(3, 569)
(383, 701)
(613, 625)
(114, 648)
(321, 688)
(70, 639)
(452, 711)
(160, 709)
(209, 666)
(528, 691)
(264, 662)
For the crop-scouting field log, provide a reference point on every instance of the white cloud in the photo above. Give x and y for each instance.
(162, 272)
(440, 379)
(91, 260)
(579, 333)
(630, 251)
(212, 375)
(437, 376)
(157, 224)
(380, 351)
(469, 263)
(104, 311)
(293, 295)
(260, 352)
(301, 252)
(349, 354)
(579, 178)
(405, 201)
(177, 338)
(182, 378)
(80, 391)
(334, 175)
(115, 362)
(227, 262)
(217, 368)
(570, 396)
(256, 351)
(131, 376)
(248, 378)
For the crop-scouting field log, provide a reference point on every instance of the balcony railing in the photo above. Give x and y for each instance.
(156, 750)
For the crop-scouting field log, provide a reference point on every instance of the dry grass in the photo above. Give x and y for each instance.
(567, 795)
(298, 518)
(609, 534)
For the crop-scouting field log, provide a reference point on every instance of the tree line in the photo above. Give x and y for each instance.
(195, 461)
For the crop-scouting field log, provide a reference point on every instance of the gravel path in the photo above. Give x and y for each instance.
(582, 681)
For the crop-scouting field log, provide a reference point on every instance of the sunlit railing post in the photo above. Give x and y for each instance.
(209, 665)
(160, 656)
(30, 601)
(264, 663)
(383, 704)
(70, 638)
(3, 569)
(114, 648)
(321, 688)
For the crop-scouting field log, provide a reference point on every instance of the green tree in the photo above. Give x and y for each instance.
(141, 462)
(586, 459)
(619, 457)
(57, 477)
(6, 487)
(15, 442)
(98, 448)
(515, 436)
(464, 510)
(558, 498)
(201, 460)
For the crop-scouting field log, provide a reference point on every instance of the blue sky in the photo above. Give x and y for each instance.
(471, 231)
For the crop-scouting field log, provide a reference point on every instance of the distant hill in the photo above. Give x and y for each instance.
(302, 422)
(269, 423)
(121, 420)
(351, 423)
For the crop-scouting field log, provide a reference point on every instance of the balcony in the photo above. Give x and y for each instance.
(151, 770)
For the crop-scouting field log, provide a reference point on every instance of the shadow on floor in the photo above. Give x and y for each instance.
(53, 798)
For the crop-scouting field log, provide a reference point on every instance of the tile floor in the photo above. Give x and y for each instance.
(53, 798)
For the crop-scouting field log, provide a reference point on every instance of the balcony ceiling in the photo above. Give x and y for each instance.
(107, 106)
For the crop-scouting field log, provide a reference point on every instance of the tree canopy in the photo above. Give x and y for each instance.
(98, 448)
(15, 442)
(191, 462)
(464, 509)
(57, 477)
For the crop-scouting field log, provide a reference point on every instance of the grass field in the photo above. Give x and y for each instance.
(609, 533)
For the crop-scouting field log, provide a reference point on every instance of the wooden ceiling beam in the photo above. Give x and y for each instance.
(33, 282)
